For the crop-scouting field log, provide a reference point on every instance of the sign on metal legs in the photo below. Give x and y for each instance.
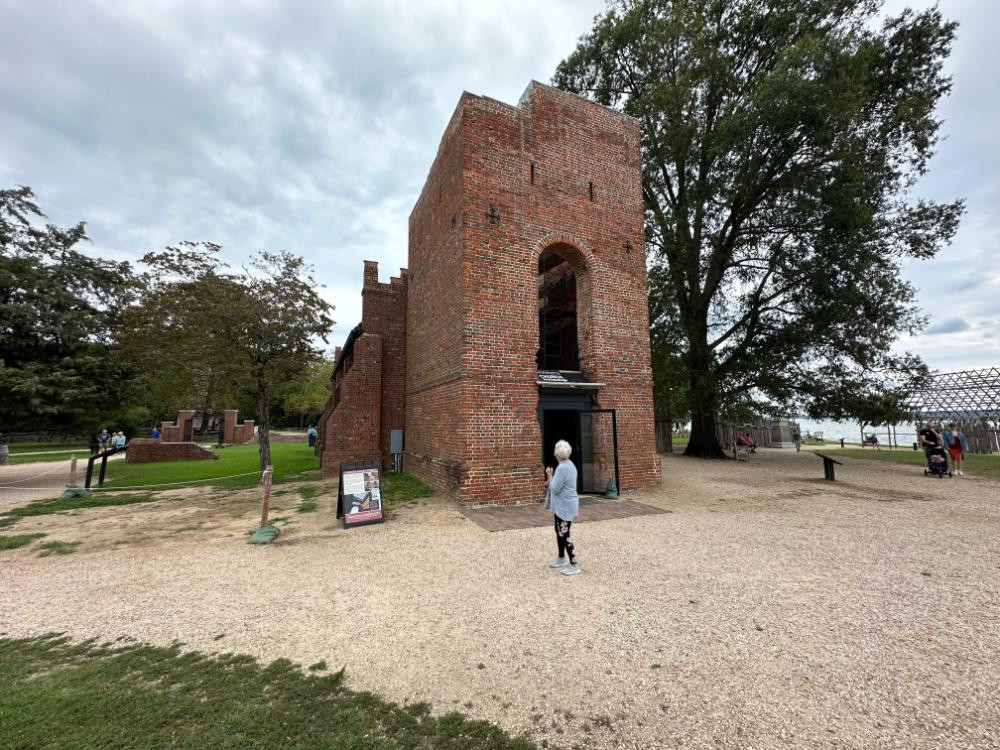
(359, 497)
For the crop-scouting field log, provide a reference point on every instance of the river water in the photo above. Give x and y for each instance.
(833, 431)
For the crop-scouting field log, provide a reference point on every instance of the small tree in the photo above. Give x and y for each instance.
(306, 395)
(254, 328)
(780, 143)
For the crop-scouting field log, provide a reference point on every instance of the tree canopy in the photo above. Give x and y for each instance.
(781, 142)
(59, 308)
(247, 331)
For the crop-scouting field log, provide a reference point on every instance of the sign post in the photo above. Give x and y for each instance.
(266, 483)
(359, 496)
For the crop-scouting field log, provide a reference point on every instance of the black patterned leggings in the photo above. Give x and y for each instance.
(563, 541)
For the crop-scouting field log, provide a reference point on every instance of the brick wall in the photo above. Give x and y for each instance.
(383, 312)
(235, 433)
(559, 173)
(147, 450)
(182, 429)
(449, 348)
(350, 430)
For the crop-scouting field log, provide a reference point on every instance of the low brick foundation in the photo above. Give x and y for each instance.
(146, 450)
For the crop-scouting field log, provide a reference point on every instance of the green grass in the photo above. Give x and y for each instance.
(13, 542)
(57, 548)
(16, 449)
(308, 494)
(90, 697)
(975, 463)
(401, 488)
(47, 507)
(292, 462)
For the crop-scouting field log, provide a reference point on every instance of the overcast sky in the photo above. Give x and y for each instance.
(310, 126)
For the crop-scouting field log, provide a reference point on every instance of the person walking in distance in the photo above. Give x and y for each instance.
(565, 506)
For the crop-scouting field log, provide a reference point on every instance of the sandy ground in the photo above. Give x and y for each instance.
(768, 609)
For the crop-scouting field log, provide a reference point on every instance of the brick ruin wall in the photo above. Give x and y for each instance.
(234, 433)
(556, 172)
(147, 450)
(174, 432)
(367, 398)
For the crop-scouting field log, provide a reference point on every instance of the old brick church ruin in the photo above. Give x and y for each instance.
(522, 317)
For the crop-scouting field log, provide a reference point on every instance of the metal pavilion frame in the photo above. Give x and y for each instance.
(971, 398)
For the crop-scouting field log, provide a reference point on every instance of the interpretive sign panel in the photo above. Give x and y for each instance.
(360, 496)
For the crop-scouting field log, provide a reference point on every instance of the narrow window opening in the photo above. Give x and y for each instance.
(532, 173)
(557, 340)
(590, 189)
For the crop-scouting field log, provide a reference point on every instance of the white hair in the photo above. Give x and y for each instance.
(563, 450)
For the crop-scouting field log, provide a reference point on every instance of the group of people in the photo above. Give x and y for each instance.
(952, 440)
(108, 440)
(746, 440)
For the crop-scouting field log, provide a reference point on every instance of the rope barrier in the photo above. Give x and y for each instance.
(170, 484)
(28, 479)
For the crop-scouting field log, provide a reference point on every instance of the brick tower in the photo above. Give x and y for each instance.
(551, 187)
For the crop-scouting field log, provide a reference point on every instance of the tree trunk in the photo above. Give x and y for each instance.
(264, 422)
(704, 441)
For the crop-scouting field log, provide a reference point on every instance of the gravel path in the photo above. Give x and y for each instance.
(768, 609)
(37, 480)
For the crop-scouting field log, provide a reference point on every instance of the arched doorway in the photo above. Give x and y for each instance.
(558, 348)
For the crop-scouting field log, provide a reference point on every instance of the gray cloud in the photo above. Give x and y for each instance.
(311, 125)
(952, 325)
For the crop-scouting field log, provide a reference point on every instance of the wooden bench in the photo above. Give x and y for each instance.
(742, 452)
(828, 463)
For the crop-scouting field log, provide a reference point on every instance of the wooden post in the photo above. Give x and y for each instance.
(72, 470)
(265, 480)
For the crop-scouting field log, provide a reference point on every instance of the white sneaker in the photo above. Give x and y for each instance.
(559, 562)
(571, 570)
(960, 473)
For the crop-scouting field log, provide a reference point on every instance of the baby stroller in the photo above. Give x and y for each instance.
(937, 462)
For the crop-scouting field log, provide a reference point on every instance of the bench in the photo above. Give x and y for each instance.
(742, 452)
(828, 463)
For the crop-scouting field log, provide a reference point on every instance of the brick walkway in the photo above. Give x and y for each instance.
(509, 517)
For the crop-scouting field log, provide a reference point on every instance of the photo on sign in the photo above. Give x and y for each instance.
(362, 492)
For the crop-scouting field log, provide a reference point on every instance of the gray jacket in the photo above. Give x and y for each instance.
(562, 491)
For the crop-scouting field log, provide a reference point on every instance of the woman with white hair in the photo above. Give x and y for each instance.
(565, 505)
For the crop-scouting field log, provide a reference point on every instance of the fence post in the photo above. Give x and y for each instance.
(266, 482)
(72, 470)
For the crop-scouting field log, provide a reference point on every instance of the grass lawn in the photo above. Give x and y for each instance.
(978, 464)
(401, 488)
(58, 452)
(292, 462)
(90, 697)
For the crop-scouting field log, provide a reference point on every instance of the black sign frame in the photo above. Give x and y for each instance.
(344, 501)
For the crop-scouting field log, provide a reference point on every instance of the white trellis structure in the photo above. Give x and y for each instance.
(970, 398)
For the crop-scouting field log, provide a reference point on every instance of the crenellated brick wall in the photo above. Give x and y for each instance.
(367, 398)
(180, 431)
(235, 433)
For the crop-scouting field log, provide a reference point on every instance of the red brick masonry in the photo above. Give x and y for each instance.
(147, 450)
(234, 433)
(448, 350)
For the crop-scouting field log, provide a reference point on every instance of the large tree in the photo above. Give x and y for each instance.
(781, 140)
(58, 309)
(252, 329)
